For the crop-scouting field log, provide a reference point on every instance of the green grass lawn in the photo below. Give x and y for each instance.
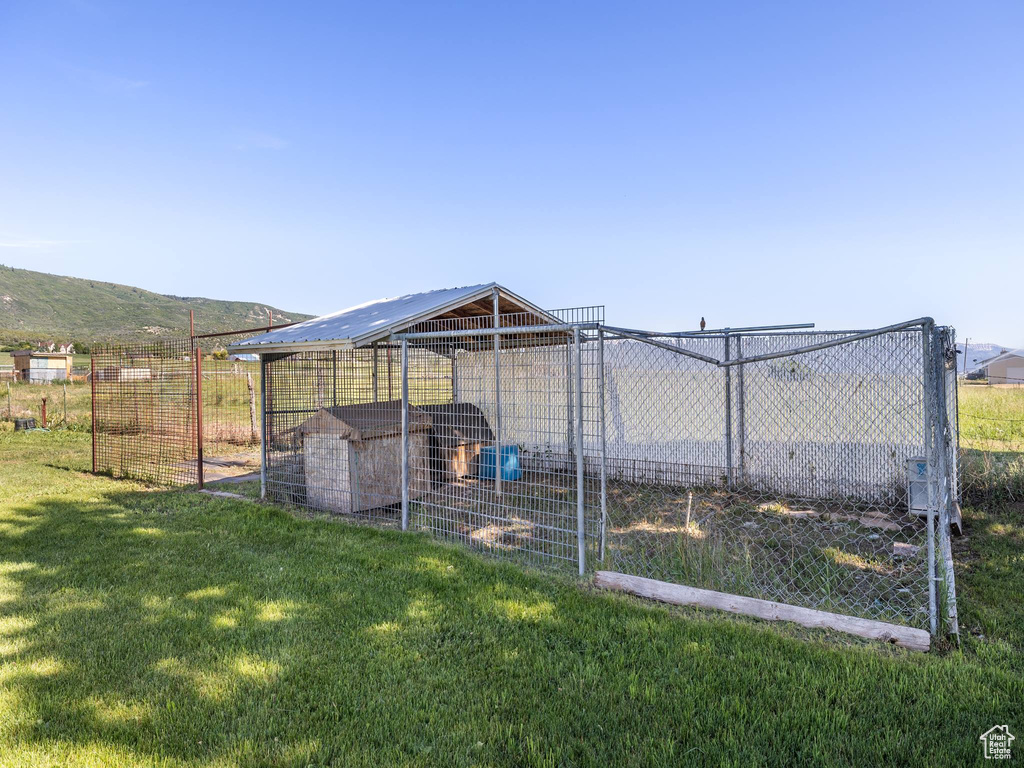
(142, 627)
(992, 441)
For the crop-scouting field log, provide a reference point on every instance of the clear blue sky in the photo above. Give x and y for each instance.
(851, 164)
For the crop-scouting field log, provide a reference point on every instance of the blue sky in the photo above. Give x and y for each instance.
(849, 164)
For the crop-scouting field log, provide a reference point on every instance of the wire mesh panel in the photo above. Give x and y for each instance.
(513, 451)
(334, 432)
(502, 450)
(231, 392)
(144, 398)
(794, 479)
(726, 461)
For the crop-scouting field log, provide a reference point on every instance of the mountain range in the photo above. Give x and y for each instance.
(37, 307)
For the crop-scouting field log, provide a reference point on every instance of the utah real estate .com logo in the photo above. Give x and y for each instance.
(997, 742)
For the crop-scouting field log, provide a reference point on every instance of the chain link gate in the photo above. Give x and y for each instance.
(811, 469)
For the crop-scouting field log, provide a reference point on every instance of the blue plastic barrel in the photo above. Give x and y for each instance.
(510, 469)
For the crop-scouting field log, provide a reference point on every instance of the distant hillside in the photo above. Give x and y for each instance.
(36, 307)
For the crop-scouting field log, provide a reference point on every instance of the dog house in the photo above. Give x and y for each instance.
(767, 461)
(352, 456)
(459, 431)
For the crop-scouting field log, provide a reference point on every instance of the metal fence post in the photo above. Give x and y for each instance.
(570, 429)
(263, 427)
(945, 491)
(741, 415)
(455, 375)
(334, 377)
(92, 406)
(580, 525)
(604, 460)
(497, 394)
(929, 442)
(374, 375)
(405, 435)
(728, 417)
(199, 415)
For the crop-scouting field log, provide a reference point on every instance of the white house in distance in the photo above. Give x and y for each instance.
(1007, 368)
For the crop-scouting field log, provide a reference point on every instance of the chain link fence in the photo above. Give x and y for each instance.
(789, 479)
(814, 469)
(817, 469)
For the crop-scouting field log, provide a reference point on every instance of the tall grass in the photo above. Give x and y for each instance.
(992, 441)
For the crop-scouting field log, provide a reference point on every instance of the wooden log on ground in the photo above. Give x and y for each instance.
(908, 637)
(224, 494)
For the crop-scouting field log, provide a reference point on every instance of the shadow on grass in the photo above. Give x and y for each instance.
(139, 624)
(164, 626)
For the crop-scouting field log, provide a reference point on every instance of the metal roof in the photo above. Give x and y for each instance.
(375, 320)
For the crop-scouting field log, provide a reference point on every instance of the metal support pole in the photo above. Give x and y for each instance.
(604, 460)
(580, 527)
(497, 394)
(728, 418)
(455, 378)
(929, 442)
(92, 406)
(199, 415)
(569, 410)
(391, 383)
(376, 390)
(741, 414)
(334, 377)
(945, 490)
(263, 427)
(405, 434)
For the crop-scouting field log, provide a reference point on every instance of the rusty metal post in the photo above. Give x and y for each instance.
(92, 406)
(44, 413)
(198, 354)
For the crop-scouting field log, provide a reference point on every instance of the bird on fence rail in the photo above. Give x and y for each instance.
(702, 324)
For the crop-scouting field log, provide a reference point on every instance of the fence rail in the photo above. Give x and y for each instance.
(813, 468)
(162, 410)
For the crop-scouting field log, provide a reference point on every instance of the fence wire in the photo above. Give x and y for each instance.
(148, 421)
(826, 478)
(803, 479)
(144, 411)
(786, 479)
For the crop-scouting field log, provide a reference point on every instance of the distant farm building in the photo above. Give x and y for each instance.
(41, 367)
(1007, 368)
(123, 374)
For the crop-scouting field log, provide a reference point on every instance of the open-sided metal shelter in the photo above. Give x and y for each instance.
(770, 462)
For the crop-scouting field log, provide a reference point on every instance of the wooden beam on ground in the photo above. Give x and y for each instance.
(224, 494)
(908, 637)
